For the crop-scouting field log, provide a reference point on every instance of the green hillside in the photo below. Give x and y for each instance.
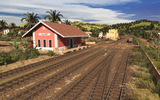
(142, 24)
(22, 25)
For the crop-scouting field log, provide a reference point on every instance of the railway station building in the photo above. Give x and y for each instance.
(49, 35)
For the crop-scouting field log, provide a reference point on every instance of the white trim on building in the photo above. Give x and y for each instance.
(34, 45)
(56, 40)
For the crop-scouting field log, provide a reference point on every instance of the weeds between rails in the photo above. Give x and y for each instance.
(58, 76)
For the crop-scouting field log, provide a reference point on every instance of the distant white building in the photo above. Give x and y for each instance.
(88, 33)
(6, 31)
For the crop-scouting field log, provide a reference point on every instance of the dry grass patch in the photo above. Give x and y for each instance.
(18, 64)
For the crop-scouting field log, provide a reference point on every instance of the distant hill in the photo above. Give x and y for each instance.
(88, 26)
(22, 25)
(142, 24)
(121, 26)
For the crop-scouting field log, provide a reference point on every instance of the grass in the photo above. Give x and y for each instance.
(145, 85)
(141, 24)
(21, 75)
(95, 52)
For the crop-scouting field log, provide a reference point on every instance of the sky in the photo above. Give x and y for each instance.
(89, 11)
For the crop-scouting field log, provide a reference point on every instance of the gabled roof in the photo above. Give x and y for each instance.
(61, 29)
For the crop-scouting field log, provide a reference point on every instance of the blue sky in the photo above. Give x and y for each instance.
(89, 11)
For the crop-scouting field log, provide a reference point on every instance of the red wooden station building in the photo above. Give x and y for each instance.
(49, 35)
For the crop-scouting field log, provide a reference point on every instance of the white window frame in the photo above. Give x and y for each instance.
(49, 43)
(43, 42)
(38, 43)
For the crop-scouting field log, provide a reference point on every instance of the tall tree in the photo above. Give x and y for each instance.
(31, 19)
(3, 24)
(152, 26)
(12, 26)
(67, 22)
(53, 16)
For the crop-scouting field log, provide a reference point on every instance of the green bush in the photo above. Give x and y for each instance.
(5, 39)
(93, 41)
(17, 39)
(50, 53)
(4, 58)
(33, 53)
(23, 56)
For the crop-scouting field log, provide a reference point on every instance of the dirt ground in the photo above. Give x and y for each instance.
(4, 46)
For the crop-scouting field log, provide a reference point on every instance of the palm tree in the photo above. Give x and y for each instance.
(31, 19)
(3, 24)
(67, 22)
(12, 25)
(53, 17)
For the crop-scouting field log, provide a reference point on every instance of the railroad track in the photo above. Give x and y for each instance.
(29, 67)
(80, 85)
(19, 81)
(39, 66)
(101, 89)
(115, 42)
(28, 93)
(54, 78)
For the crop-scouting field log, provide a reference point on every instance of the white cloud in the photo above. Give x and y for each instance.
(70, 11)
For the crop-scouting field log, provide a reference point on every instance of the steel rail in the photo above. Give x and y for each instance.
(99, 75)
(120, 97)
(37, 72)
(84, 77)
(51, 78)
(37, 63)
(95, 75)
(113, 80)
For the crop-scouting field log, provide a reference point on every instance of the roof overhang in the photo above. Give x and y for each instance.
(41, 22)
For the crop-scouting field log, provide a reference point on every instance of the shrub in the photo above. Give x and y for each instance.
(18, 39)
(93, 41)
(4, 58)
(23, 56)
(50, 53)
(5, 39)
(33, 53)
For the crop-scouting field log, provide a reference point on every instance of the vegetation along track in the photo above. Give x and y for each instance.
(57, 76)
(9, 74)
